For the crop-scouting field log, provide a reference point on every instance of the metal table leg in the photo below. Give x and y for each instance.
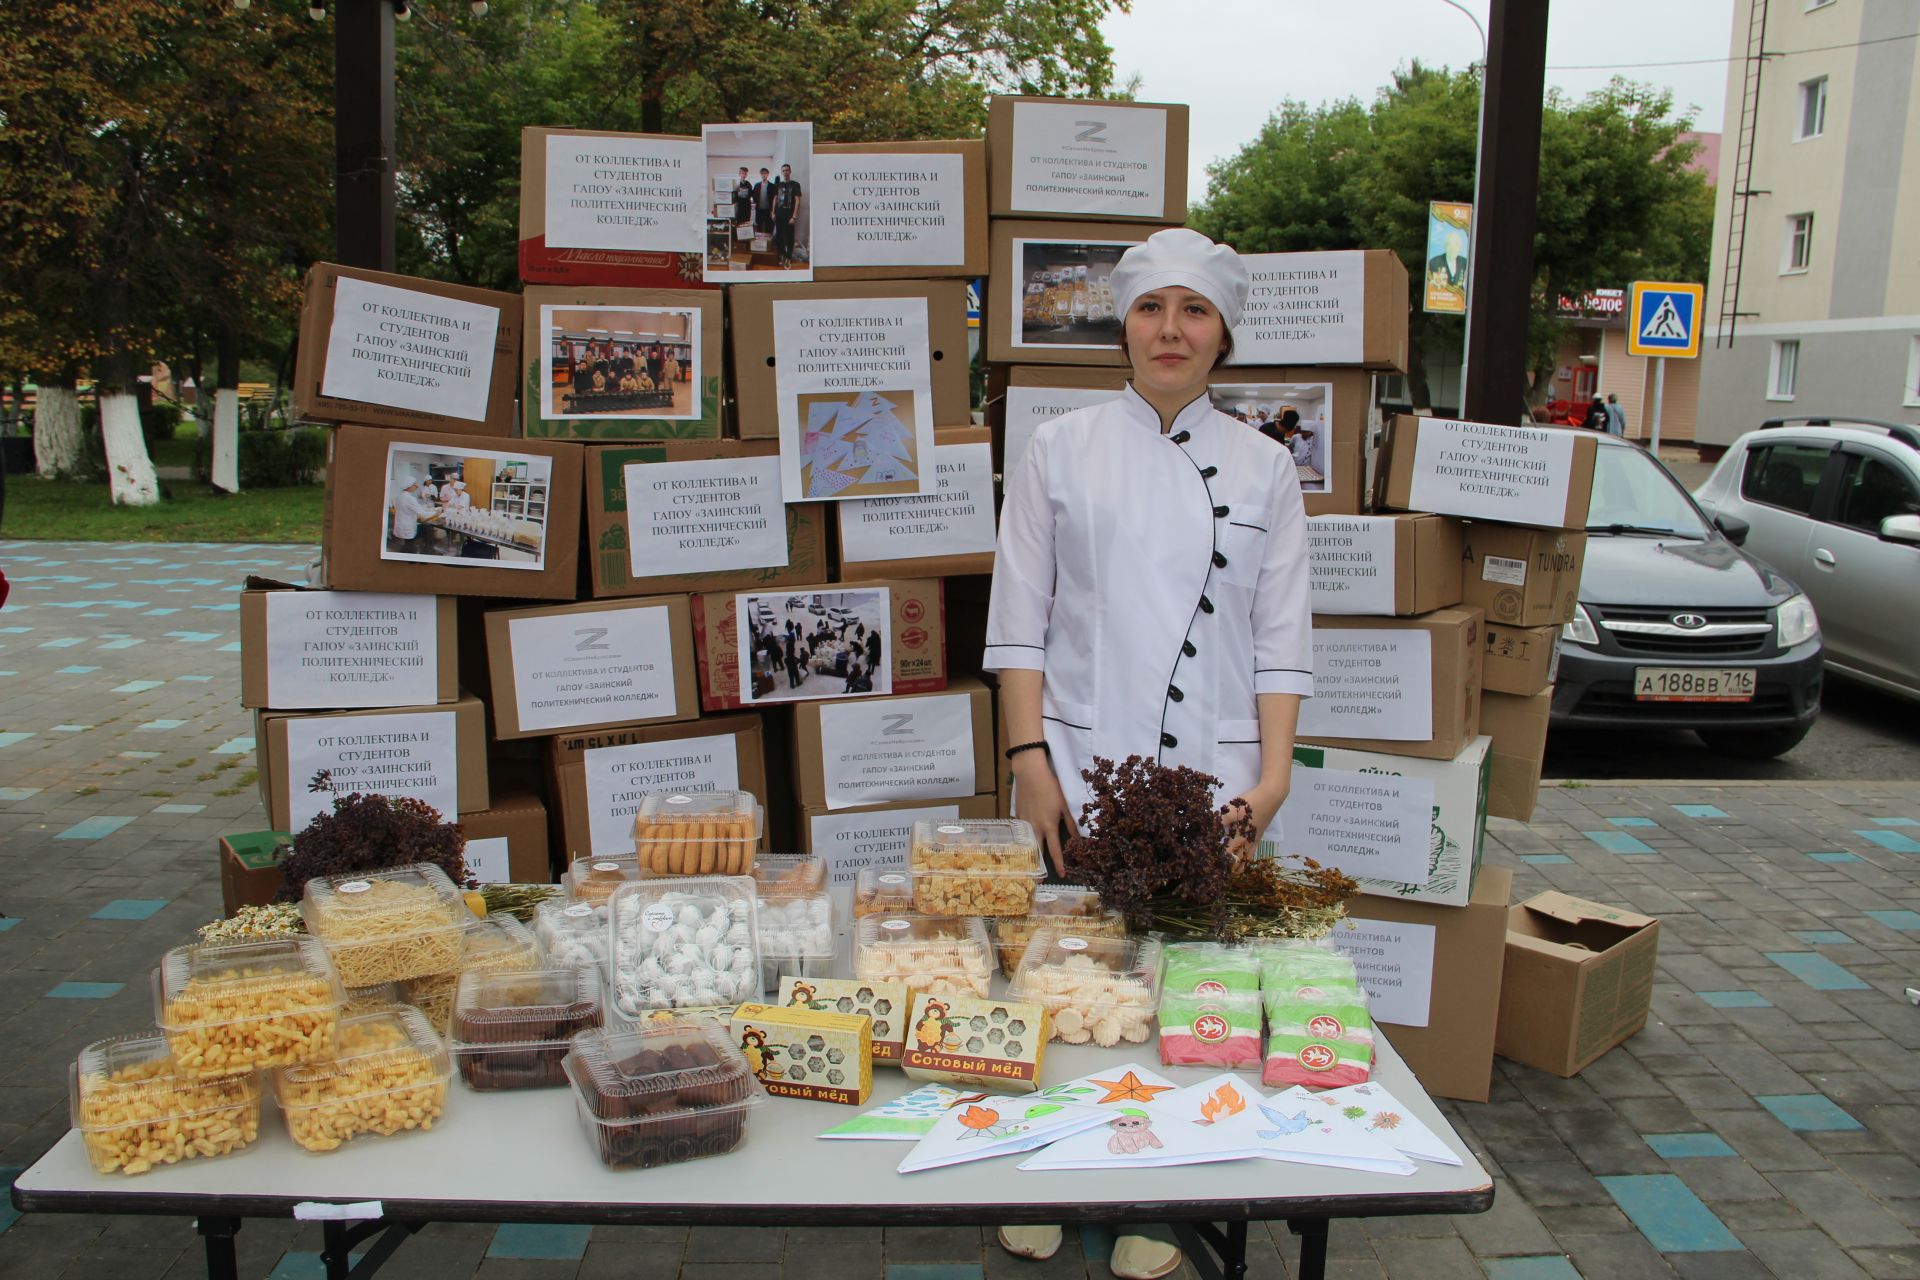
(1313, 1246)
(222, 1262)
(1203, 1243)
(339, 1238)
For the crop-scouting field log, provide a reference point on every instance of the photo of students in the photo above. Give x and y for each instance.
(766, 168)
(485, 506)
(1292, 414)
(620, 362)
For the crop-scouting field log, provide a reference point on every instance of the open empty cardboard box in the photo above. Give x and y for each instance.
(1578, 980)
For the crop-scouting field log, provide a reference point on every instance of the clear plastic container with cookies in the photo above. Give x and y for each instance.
(1099, 990)
(880, 892)
(136, 1112)
(389, 1074)
(652, 1096)
(511, 1029)
(387, 926)
(682, 942)
(238, 1006)
(974, 867)
(788, 875)
(492, 944)
(796, 937)
(593, 879)
(697, 833)
(934, 955)
(1072, 907)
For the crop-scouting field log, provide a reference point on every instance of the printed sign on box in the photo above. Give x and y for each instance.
(399, 755)
(956, 519)
(487, 860)
(409, 350)
(351, 649)
(592, 668)
(1370, 683)
(854, 397)
(633, 193)
(878, 838)
(1304, 308)
(890, 210)
(1351, 562)
(1365, 824)
(918, 749)
(1517, 475)
(1394, 962)
(1028, 407)
(705, 516)
(1089, 158)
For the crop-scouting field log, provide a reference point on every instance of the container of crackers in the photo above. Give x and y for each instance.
(884, 1004)
(697, 833)
(1099, 990)
(388, 1075)
(974, 867)
(976, 1043)
(511, 1030)
(941, 955)
(800, 1052)
(385, 926)
(654, 1095)
(227, 1008)
(788, 875)
(1070, 907)
(593, 879)
(880, 892)
(135, 1111)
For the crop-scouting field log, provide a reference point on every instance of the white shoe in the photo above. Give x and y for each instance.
(1139, 1258)
(1038, 1243)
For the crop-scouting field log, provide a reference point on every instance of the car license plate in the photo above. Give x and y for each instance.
(1693, 684)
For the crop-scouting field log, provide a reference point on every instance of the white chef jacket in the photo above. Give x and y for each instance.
(407, 510)
(1160, 583)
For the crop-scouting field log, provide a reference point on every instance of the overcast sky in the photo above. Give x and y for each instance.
(1234, 61)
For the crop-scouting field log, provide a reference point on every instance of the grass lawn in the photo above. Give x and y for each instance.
(68, 510)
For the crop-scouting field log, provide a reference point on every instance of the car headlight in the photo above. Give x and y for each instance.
(1795, 621)
(1580, 629)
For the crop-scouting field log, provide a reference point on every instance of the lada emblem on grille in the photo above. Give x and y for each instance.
(1689, 621)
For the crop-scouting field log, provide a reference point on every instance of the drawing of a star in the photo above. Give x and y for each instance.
(1130, 1088)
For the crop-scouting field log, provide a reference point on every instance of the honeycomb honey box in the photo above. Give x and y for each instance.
(973, 1042)
(799, 1052)
(884, 1004)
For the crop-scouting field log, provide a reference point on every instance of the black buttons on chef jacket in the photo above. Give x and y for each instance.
(1169, 741)
(1173, 691)
(1186, 647)
(1220, 513)
(1209, 472)
(1206, 605)
(1181, 437)
(1219, 560)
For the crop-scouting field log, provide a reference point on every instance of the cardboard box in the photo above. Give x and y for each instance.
(1063, 268)
(928, 746)
(1390, 564)
(356, 544)
(598, 778)
(934, 535)
(1540, 476)
(591, 666)
(1347, 306)
(899, 210)
(1520, 660)
(972, 1043)
(507, 841)
(330, 650)
(250, 868)
(877, 835)
(913, 644)
(405, 752)
(1440, 807)
(756, 379)
(610, 554)
(1055, 158)
(1405, 686)
(802, 1052)
(885, 1004)
(1578, 980)
(423, 345)
(1518, 727)
(555, 406)
(545, 263)
(1523, 577)
(1432, 975)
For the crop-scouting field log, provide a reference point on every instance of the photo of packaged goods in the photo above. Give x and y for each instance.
(489, 945)
(1070, 907)
(878, 892)
(593, 879)
(511, 1030)
(238, 1006)
(704, 833)
(389, 1075)
(572, 933)
(683, 943)
(788, 875)
(974, 867)
(796, 937)
(1067, 295)
(1319, 1032)
(885, 1005)
(384, 926)
(1210, 1012)
(938, 955)
(656, 1095)
(1103, 990)
(976, 1043)
(134, 1111)
(798, 1052)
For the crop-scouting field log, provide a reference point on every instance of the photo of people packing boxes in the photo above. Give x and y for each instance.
(474, 505)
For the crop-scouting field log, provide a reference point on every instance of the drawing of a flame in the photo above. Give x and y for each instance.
(1225, 1101)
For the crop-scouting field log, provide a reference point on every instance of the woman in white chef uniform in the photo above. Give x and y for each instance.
(1150, 590)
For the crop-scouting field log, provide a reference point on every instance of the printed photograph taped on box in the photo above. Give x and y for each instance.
(619, 362)
(1299, 413)
(761, 173)
(859, 444)
(830, 644)
(1064, 297)
(474, 507)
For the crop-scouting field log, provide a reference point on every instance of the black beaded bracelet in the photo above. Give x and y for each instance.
(1029, 746)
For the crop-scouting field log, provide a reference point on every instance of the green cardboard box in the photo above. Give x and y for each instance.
(250, 868)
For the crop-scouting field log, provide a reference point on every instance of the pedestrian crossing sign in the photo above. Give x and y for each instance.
(1663, 319)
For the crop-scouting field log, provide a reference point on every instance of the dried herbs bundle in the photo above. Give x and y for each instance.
(372, 833)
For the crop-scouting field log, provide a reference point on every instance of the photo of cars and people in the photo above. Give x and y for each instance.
(766, 170)
(471, 507)
(620, 362)
(1062, 297)
(827, 644)
(1297, 415)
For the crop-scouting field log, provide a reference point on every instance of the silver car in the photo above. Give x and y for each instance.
(1834, 504)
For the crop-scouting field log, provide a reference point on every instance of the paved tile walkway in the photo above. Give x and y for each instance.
(1766, 1121)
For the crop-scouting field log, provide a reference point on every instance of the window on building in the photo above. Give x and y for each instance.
(1813, 107)
(1784, 475)
(1817, 4)
(1912, 397)
(1783, 372)
(1797, 252)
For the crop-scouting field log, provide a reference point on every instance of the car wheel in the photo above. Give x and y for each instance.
(1754, 744)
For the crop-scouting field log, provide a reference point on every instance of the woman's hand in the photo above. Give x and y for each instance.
(1260, 804)
(1043, 803)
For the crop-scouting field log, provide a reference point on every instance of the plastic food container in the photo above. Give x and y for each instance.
(1103, 990)
(389, 1075)
(572, 932)
(1072, 907)
(489, 945)
(371, 999)
(796, 938)
(933, 955)
(592, 880)
(237, 1006)
(788, 875)
(135, 1111)
(974, 867)
(660, 1095)
(682, 942)
(882, 893)
(685, 833)
(384, 926)
(511, 1030)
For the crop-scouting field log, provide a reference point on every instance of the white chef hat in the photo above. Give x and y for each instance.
(1181, 256)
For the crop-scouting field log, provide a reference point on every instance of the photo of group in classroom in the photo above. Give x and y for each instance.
(621, 362)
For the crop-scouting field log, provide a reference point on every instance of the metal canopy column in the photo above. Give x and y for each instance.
(363, 133)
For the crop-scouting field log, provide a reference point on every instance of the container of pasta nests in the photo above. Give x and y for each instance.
(135, 1111)
(233, 1007)
(386, 926)
(657, 1095)
(494, 944)
(511, 1030)
(389, 1075)
(698, 833)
